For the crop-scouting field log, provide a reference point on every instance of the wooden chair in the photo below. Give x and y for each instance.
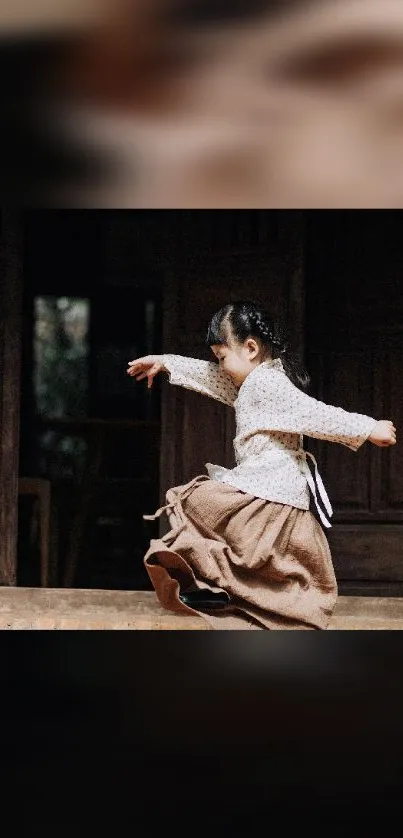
(41, 490)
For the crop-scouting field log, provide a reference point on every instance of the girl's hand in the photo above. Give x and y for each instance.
(384, 433)
(146, 367)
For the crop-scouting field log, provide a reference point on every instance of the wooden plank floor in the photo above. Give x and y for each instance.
(64, 608)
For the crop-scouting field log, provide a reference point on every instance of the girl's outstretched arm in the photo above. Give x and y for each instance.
(201, 376)
(286, 408)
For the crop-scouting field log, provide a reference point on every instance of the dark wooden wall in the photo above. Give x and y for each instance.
(354, 282)
(333, 277)
(106, 258)
(10, 360)
(223, 256)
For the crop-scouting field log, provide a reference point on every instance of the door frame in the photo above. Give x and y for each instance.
(11, 272)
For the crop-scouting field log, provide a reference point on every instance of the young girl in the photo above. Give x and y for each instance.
(244, 549)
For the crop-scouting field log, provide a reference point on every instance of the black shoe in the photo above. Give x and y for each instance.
(204, 599)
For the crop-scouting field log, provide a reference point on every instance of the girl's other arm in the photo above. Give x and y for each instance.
(296, 412)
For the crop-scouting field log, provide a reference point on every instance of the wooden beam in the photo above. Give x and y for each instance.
(80, 609)
(10, 361)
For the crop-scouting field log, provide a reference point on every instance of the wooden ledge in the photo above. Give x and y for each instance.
(78, 609)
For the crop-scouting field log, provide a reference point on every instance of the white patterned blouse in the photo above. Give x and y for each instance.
(272, 416)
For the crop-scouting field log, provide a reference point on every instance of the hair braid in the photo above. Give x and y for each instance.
(247, 319)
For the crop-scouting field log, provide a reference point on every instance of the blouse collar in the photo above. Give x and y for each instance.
(275, 364)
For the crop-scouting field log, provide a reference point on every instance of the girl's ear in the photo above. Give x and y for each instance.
(253, 348)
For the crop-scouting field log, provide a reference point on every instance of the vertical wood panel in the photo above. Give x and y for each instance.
(10, 351)
(256, 255)
(203, 440)
(355, 309)
(391, 483)
(347, 473)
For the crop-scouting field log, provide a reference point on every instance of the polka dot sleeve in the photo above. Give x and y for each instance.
(288, 409)
(201, 376)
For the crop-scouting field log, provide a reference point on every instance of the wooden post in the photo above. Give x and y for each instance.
(10, 360)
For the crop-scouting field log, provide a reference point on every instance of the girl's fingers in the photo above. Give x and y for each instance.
(151, 373)
(137, 369)
(136, 361)
(140, 370)
(146, 361)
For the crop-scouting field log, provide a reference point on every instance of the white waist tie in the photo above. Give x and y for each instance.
(302, 455)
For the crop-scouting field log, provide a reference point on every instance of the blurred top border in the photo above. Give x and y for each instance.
(22, 18)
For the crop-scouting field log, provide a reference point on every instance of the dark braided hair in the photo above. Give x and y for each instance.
(246, 319)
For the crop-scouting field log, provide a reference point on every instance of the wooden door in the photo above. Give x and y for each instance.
(354, 277)
(10, 351)
(220, 257)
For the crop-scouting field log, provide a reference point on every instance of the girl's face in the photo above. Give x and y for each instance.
(237, 360)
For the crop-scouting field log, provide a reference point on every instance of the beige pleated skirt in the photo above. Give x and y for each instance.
(273, 560)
